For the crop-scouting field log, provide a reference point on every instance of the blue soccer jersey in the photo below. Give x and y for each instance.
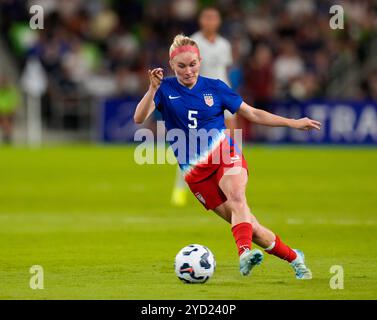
(193, 111)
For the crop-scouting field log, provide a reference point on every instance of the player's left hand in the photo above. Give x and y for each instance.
(306, 124)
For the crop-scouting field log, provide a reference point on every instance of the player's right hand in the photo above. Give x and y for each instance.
(155, 77)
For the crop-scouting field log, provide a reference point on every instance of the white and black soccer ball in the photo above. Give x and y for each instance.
(194, 264)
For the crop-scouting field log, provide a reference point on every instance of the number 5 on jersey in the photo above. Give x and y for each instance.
(191, 117)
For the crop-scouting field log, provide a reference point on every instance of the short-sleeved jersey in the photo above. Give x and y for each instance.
(194, 111)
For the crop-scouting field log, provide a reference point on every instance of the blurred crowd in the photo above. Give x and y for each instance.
(282, 49)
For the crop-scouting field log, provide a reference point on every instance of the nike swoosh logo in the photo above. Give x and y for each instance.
(171, 97)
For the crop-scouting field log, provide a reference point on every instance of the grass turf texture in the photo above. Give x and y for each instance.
(102, 227)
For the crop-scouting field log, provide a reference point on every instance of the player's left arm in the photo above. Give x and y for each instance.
(269, 119)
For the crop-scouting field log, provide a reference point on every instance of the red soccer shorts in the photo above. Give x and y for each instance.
(208, 191)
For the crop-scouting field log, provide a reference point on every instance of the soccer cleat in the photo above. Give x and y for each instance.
(179, 196)
(301, 270)
(249, 259)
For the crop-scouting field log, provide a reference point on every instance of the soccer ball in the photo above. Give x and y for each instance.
(194, 264)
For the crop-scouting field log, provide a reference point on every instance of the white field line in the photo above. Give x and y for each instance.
(140, 219)
(96, 218)
(339, 222)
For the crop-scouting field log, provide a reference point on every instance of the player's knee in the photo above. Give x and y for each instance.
(237, 197)
(256, 227)
(239, 207)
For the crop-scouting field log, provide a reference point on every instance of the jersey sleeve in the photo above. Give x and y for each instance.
(230, 100)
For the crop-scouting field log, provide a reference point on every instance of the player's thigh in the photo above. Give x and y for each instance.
(234, 185)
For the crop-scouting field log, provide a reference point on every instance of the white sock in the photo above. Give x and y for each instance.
(270, 247)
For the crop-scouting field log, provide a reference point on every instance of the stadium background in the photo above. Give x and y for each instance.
(102, 226)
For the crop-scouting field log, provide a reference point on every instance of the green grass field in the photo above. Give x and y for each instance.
(102, 227)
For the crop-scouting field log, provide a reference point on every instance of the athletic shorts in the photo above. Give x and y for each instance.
(208, 191)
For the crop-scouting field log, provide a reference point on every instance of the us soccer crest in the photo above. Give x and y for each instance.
(208, 99)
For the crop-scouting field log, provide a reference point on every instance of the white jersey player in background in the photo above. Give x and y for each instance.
(216, 53)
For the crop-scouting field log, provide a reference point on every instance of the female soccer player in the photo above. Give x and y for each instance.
(192, 104)
(216, 52)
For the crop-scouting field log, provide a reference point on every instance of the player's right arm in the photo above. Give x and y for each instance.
(146, 105)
